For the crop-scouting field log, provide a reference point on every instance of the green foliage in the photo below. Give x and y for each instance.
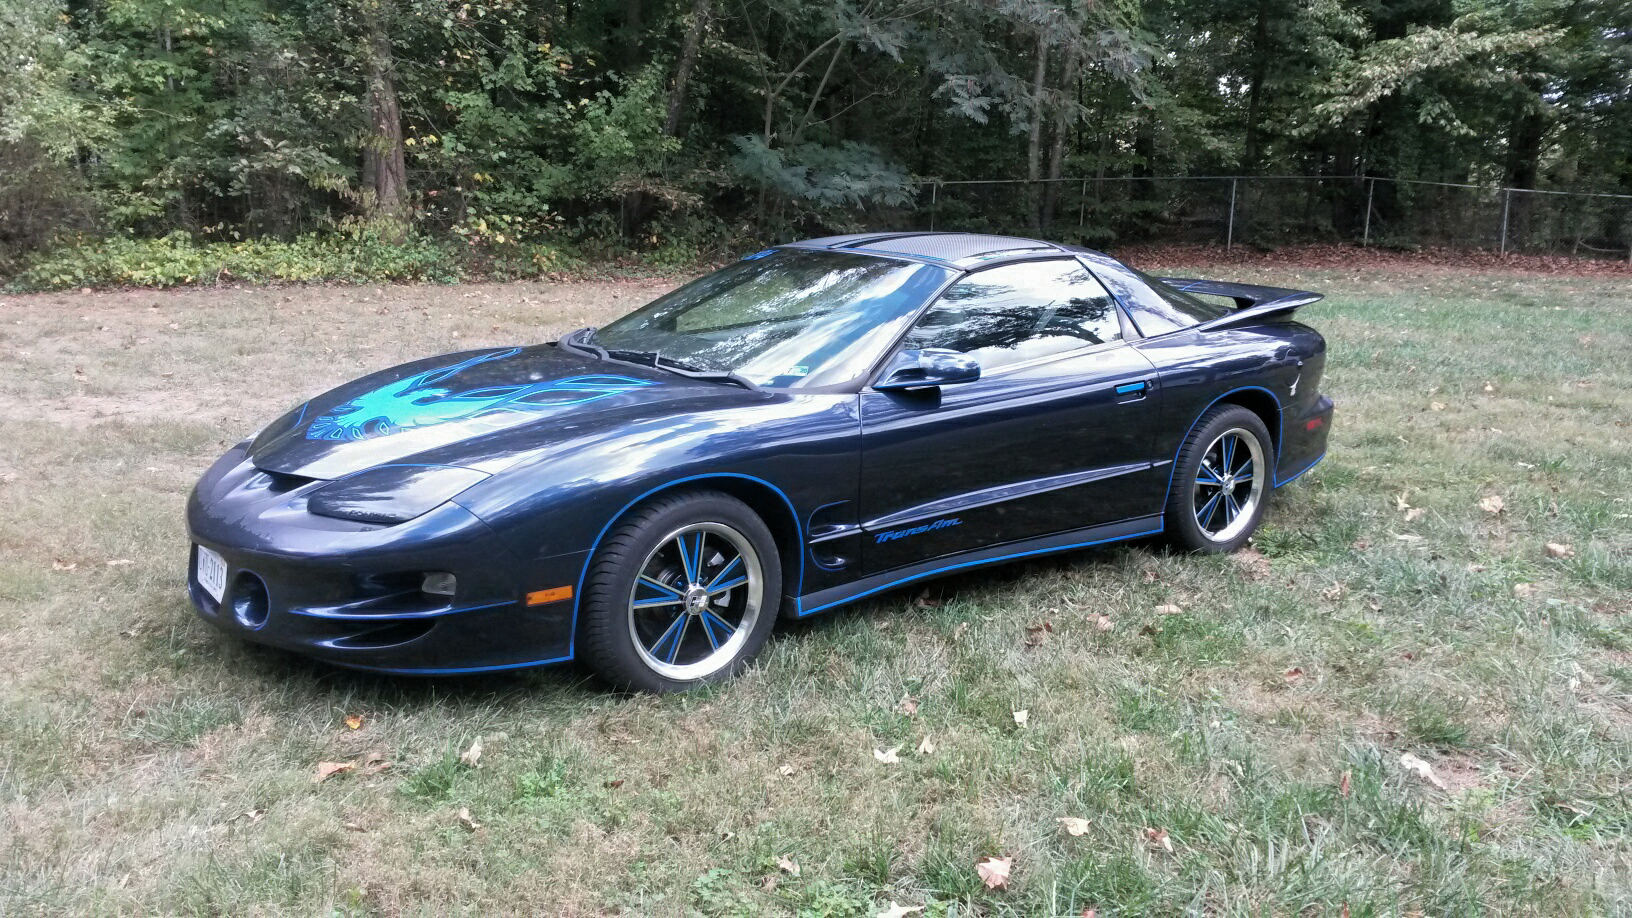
(680, 131)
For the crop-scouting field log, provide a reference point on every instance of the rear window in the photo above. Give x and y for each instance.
(1154, 306)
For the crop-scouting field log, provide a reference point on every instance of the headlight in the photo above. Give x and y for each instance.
(391, 493)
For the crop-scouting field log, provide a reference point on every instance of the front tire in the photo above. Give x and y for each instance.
(1221, 481)
(684, 591)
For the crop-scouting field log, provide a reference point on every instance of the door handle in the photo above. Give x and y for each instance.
(1133, 391)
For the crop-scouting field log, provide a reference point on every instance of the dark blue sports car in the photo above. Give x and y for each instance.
(814, 424)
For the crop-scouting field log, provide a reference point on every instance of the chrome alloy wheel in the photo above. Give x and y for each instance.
(695, 601)
(1229, 485)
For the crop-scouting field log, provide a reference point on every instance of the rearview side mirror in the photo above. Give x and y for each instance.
(927, 369)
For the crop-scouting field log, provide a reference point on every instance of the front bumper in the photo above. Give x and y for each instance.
(350, 593)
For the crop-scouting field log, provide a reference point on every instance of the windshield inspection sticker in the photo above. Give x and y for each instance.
(917, 530)
(796, 371)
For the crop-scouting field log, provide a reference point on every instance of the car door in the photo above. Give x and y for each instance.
(1055, 435)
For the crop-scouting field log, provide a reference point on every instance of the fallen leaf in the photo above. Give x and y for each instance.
(1422, 769)
(354, 721)
(61, 565)
(326, 770)
(1150, 575)
(1252, 562)
(908, 705)
(468, 821)
(927, 746)
(1521, 590)
(472, 757)
(1399, 501)
(120, 562)
(353, 827)
(1489, 387)
(1332, 593)
(1159, 837)
(1292, 676)
(994, 871)
(1073, 825)
(1491, 504)
(1414, 514)
(1344, 784)
(1150, 630)
(1436, 406)
(614, 784)
(889, 756)
(958, 632)
(926, 601)
(1103, 622)
(1477, 568)
(1021, 716)
(787, 865)
(1560, 550)
(254, 816)
(1169, 609)
(785, 771)
(373, 765)
(899, 911)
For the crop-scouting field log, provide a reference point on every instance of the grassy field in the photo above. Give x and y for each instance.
(1239, 756)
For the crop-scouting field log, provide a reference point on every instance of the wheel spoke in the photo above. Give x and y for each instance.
(718, 588)
(1206, 475)
(654, 603)
(1246, 466)
(685, 557)
(677, 625)
(708, 631)
(1206, 512)
(711, 619)
(714, 585)
(685, 623)
(1227, 448)
(667, 591)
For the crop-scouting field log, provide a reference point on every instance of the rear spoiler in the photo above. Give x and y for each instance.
(1251, 301)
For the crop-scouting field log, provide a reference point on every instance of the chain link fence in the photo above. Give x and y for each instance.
(1268, 212)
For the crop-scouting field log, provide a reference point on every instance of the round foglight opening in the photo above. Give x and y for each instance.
(250, 603)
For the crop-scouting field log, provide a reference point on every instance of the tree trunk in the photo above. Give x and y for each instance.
(1260, 69)
(690, 47)
(1062, 129)
(1524, 166)
(385, 171)
(1034, 147)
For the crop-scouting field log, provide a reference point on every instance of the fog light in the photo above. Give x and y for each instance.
(439, 584)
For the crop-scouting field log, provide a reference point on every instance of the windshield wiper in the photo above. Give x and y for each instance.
(658, 361)
(578, 342)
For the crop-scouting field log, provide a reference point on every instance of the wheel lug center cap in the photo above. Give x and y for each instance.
(696, 599)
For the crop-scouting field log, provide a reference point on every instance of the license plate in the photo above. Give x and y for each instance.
(212, 573)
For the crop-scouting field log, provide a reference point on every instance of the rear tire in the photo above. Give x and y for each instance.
(684, 591)
(1221, 481)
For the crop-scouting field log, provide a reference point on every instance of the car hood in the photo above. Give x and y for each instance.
(473, 396)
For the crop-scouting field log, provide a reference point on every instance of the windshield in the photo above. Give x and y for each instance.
(786, 318)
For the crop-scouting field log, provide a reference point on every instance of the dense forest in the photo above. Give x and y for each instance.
(675, 127)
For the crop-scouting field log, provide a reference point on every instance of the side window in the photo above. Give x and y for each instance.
(1020, 312)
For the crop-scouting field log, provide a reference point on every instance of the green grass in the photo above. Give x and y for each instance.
(148, 765)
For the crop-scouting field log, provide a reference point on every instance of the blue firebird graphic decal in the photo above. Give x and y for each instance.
(419, 402)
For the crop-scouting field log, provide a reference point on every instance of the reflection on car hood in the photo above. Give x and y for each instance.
(420, 406)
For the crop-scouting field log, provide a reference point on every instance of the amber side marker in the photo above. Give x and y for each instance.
(540, 597)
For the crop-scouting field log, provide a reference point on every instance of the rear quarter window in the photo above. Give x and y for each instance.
(1154, 307)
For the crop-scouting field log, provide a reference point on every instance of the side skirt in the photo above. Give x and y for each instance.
(821, 601)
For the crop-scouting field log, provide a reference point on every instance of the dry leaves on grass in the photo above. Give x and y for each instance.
(995, 871)
(1293, 676)
(1421, 769)
(1414, 514)
(788, 865)
(1345, 784)
(1253, 563)
(1492, 505)
(785, 771)
(472, 757)
(896, 910)
(1169, 609)
(891, 756)
(1073, 825)
(354, 721)
(927, 746)
(468, 821)
(1523, 590)
(61, 565)
(1021, 717)
(1560, 550)
(327, 770)
(1158, 838)
(908, 705)
(1102, 622)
